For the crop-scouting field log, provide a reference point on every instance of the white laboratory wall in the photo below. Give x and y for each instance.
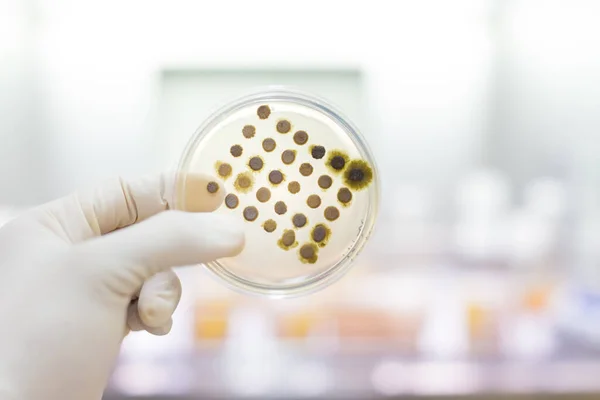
(98, 65)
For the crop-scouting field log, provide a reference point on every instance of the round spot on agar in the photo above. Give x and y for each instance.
(263, 195)
(358, 175)
(331, 213)
(299, 220)
(308, 253)
(288, 157)
(344, 195)
(249, 131)
(263, 112)
(320, 234)
(269, 145)
(256, 163)
(236, 150)
(288, 239)
(280, 208)
(313, 201)
(270, 225)
(294, 187)
(317, 152)
(275, 177)
(283, 126)
(337, 160)
(325, 181)
(243, 182)
(250, 213)
(231, 201)
(300, 137)
(212, 187)
(306, 169)
(223, 169)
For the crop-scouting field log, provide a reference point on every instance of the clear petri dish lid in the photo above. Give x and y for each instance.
(302, 179)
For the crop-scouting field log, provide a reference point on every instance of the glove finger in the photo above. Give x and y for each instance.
(159, 298)
(128, 257)
(119, 203)
(135, 324)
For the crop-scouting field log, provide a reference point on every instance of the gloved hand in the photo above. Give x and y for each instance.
(78, 273)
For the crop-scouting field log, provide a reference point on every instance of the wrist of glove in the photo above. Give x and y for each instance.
(77, 274)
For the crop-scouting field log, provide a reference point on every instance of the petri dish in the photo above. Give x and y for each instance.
(303, 180)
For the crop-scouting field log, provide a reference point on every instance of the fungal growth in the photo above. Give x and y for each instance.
(283, 126)
(287, 240)
(255, 163)
(320, 234)
(331, 213)
(249, 131)
(306, 169)
(224, 170)
(263, 195)
(270, 225)
(269, 145)
(317, 152)
(300, 138)
(358, 175)
(344, 196)
(288, 157)
(244, 182)
(280, 208)
(308, 253)
(299, 220)
(236, 150)
(231, 201)
(313, 201)
(293, 187)
(337, 160)
(250, 213)
(325, 181)
(263, 112)
(212, 187)
(276, 177)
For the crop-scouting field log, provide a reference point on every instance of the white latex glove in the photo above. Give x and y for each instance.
(73, 282)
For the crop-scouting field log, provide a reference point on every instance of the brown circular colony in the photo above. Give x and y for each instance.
(293, 187)
(325, 181)
(212, 187)
(344, 195)
(249, 131)
(308, 253)
(300, 137)
(231, 201)
(317, 152)
(288, 156)
(263, 194)
(287, 239)
(224, 170)
(313, 201)
(263, 112)
(299, 220)
(269, 145)
(284, 126)
(243, 182)
(250, 213)
(320, 233)
(280, 208)
(306, 169)
(338, 163)
(270, 225)
(358, 175)
(331, 213)
(275, 177)
(255, 163)
(236, 150)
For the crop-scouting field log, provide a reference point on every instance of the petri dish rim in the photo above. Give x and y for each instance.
(342, 266)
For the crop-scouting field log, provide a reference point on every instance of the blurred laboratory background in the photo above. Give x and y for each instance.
(483, 275)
